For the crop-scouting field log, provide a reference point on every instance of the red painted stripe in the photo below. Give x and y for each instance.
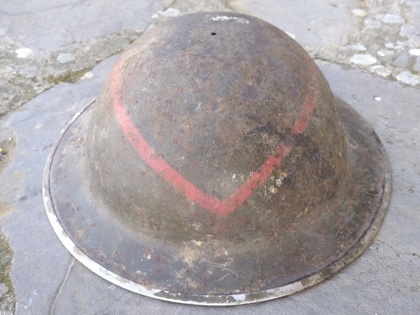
(308, 107)
(257, 179)
(159, 165)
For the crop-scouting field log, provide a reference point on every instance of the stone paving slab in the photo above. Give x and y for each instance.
(385, 280)
(47, 280)
(381, 36)
(47, 25)
(45, 42)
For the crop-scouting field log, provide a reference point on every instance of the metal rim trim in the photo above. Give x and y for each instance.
(212, 300)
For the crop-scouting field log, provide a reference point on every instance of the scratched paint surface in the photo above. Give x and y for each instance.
(210, 157)
(158, 164)
(212, 126)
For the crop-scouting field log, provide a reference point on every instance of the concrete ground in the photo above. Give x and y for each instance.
(54, 56)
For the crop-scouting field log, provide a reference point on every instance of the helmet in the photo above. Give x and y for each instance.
(216, 167)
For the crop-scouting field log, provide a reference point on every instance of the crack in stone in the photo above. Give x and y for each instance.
(396, 251)
(387, 45)
(21, 85)
(60, 289)
(381, 42)
(29, 77)
(45, 10)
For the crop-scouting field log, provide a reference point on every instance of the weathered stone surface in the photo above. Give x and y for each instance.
(384, 280)
(333, 30)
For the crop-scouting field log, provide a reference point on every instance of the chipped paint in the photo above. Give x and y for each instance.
(224, 18)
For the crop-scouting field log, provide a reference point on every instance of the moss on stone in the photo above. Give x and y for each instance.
(7, 299)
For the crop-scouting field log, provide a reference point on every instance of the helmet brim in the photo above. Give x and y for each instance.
(188, 272)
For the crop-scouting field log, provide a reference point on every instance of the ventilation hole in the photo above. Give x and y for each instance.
(213, 33)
